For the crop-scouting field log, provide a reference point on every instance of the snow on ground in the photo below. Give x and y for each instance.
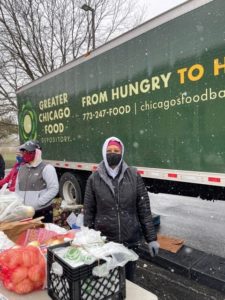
(199, 222)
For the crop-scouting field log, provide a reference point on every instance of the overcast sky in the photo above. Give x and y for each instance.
(156, 7)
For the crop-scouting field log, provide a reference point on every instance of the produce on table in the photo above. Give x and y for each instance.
(34, 243)
(19, 213)
(42, 237)
(22, 269)
(12, 208)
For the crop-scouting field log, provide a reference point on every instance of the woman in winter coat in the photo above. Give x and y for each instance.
(116, 203)
(11, 177)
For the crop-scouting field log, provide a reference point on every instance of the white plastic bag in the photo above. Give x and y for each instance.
(56, 228)
(7, 204)
(5, 242)
(2, 297)
(88, 238)
(114, 254)
(17, 213)
(12, 208)
(3, 190)
(80, 220)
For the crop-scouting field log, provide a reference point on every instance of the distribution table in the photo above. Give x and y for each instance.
(134, 292)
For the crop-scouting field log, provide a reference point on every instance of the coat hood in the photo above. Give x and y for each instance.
(112, 172)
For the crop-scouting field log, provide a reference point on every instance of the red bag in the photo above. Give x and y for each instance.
(22, 269)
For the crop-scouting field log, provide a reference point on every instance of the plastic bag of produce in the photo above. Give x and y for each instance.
(19, 212)
(23, 269)
(12, 209)
(115, 255)
(88, 238)
(7, 204)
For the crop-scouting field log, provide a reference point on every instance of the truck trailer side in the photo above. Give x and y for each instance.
(159, 88)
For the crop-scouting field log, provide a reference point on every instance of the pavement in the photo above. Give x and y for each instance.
(194, 265)
(201, 224)
(168, 285)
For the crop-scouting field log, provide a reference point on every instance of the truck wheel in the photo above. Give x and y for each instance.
(69, 189)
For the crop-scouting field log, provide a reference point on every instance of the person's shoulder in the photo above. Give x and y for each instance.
(94, 174)
(132, 170)
(49, 170)
(48, 166)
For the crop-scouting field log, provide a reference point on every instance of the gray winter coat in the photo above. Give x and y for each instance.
(37, 183)
(118, 207)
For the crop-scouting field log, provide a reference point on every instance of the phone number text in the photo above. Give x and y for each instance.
(110, 112)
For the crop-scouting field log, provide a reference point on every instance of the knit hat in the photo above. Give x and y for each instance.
(111, 141)
(115, 143)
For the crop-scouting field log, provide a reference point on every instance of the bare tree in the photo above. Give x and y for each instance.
(38, 36)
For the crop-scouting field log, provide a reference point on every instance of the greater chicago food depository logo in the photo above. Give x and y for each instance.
(28, 122)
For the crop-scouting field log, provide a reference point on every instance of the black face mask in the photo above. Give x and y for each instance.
(113, 159)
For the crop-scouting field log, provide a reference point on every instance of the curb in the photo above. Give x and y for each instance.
(206, 269)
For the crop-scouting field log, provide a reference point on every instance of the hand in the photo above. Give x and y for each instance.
(153, 248)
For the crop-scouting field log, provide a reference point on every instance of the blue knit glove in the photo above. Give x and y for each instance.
(153, 248)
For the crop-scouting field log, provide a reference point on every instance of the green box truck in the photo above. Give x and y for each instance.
(160, 88)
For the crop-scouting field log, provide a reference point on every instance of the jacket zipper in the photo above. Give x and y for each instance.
(28, 177)
(118, 214)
